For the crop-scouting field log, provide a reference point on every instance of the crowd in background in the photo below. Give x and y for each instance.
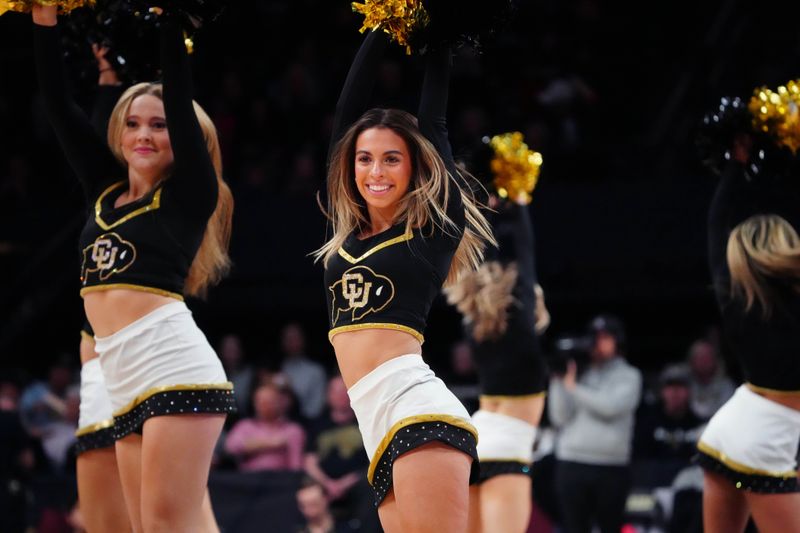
(566, 74)
(294, 416)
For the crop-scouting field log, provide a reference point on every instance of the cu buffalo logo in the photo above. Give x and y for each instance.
(108, 255)
(360, 292)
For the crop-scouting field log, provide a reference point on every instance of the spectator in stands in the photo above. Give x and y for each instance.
(59, 436)
(43, 403)
(709, 386)
(594, 413)
(238, 371)
(313, 504)
(335, 457)
(306, 377)
(269, 440)
(461, 377)
(667, 433)
(21, 458)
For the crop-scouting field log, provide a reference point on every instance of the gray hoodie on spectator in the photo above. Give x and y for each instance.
(595, 421)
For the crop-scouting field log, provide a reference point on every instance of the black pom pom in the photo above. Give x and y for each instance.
(731, 123)
(457, 23)
(193, 13)
(129, 32)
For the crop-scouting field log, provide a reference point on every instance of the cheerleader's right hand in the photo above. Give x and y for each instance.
(108, 76)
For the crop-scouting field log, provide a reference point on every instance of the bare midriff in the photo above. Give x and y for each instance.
(360, 352)
(110, 311)
(526, 408)
(791, 400)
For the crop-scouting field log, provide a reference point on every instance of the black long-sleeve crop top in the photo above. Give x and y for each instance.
(513, 364)
(389, 280)
(767, 347)
(150, 243)
(513, 230)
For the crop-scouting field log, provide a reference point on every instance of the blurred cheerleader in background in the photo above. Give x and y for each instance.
(504, 313)
(749, 447)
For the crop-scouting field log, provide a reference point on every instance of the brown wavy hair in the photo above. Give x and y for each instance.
(425, 202)
(211, 262)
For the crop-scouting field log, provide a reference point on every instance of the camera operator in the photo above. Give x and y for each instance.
(594, 413)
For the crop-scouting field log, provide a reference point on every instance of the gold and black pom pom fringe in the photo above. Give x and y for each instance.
(24, 6)
(515, 167)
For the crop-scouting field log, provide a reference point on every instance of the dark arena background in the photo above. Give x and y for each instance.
(611, 93)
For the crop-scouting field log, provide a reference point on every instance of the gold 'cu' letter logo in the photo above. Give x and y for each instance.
(109, 254)
(355, 290)
(104, 253)
(360, 291)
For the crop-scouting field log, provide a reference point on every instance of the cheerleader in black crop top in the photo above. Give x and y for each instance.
(511, 365)
(500, 303)
(99, 489)
(152, 196)
(399, 212)
(749, 447)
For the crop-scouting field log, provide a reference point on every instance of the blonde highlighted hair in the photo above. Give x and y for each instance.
(425, 202)
(761, 249)
(483, 298)
(211, 262)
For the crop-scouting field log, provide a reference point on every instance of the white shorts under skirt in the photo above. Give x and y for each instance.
(506, 444)
(753, 442)
(96, 421)
(162, 364)
(402, 405)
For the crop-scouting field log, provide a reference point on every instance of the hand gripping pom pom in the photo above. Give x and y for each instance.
(24, 6)
(427, 25)
(758, 135)
(718, 131)
(193, 13)
(398, 18)
(130, 32)
(456, 23)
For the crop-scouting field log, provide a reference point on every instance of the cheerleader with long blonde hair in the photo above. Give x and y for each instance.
(158, 229)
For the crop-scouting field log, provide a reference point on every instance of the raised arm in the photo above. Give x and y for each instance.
(524, 244)
(193, 179)
(729, 199)
(358, 85)
(86, 151)
(432, 116)
(105, 100)
(109, 90)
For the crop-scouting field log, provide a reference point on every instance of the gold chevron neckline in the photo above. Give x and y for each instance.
(402, 238)
(155, 203)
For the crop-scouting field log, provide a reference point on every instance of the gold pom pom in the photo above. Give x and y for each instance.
(65, 6)
(24, 6)
(16, 6)
(777, 113)
(189, 43)
(515, 167)
(398, 18)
